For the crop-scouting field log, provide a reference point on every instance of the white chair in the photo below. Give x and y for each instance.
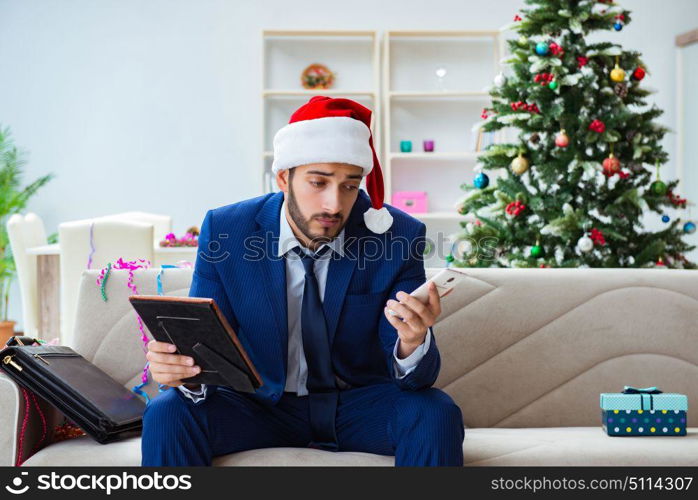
(111, 239)
(162, 224)
(26, 231)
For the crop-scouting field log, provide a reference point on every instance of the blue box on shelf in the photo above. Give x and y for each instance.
(643, 412)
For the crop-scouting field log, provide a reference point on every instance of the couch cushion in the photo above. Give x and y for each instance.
(482, 446)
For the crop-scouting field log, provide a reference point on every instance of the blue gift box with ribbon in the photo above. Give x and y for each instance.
(643, 412)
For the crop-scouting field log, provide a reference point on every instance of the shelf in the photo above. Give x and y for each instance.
(312, 92)
(438, 94)
(443, 34)
(443, 156)
(316, 33)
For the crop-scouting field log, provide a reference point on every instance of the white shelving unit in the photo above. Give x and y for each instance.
(434, 88)
(354, 57)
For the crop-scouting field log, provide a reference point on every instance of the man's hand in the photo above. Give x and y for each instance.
(416, 316)
(168, 368)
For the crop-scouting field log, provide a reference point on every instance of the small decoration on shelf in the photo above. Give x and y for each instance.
(519, 164)
(406, 146)
(412, 202)
(190, 239)
(317, 76)
(440, 76)
(428, 146)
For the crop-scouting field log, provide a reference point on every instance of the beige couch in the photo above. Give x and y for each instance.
(525, 353)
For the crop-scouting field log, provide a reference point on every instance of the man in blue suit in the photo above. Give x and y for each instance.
(315, 281)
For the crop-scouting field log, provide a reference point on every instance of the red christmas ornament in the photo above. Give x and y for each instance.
(533, 108)
(543, 78)
(517, 18)
(561, 139)
(623, 175)
(582, 61)
(515, 208)
(611, 165)
(639, 73)
(484, 113)
(597, 126)
(597, 237)
(555, 49)
(676, 200)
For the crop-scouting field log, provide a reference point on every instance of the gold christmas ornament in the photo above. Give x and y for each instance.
(519, 164)
(617, 73)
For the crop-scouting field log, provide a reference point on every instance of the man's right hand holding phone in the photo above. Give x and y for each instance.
(168, 368)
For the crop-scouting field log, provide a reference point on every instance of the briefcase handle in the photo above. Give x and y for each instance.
(21, 340)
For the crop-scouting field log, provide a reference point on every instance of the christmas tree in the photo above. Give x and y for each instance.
(572, 190)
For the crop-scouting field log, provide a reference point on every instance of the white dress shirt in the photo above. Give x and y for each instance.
(297, 368)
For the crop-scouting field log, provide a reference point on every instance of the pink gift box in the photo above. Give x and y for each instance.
(413, 202)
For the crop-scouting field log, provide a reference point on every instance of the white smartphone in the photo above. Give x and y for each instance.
(446, 281)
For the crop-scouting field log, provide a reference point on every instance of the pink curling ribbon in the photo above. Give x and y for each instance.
(131, 266)
(92, 246)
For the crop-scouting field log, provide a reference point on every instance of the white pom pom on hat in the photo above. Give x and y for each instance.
(334, 130)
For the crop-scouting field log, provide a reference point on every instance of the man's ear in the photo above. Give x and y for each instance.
(282, 180)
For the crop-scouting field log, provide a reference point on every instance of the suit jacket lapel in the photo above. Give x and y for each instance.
(272, 269)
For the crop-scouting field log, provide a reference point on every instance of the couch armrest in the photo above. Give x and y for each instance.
(38, 432)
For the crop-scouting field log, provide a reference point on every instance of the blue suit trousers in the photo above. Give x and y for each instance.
(419, 428)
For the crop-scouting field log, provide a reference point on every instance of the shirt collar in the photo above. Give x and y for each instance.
(288, 240)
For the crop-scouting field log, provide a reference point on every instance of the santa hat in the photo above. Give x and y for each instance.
(334, 130)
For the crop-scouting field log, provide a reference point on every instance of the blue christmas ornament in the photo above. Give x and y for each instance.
(617, 26)
(689, 228)
(665, 218)
(481, 181)
(542, 48)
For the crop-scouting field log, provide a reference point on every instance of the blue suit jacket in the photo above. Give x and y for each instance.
(237, 265)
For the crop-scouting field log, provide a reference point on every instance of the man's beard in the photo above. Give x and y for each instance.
(304, 225)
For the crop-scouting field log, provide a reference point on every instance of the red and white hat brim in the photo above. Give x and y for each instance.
(334, 139)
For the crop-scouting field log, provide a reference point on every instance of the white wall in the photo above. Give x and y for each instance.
(154, 105)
